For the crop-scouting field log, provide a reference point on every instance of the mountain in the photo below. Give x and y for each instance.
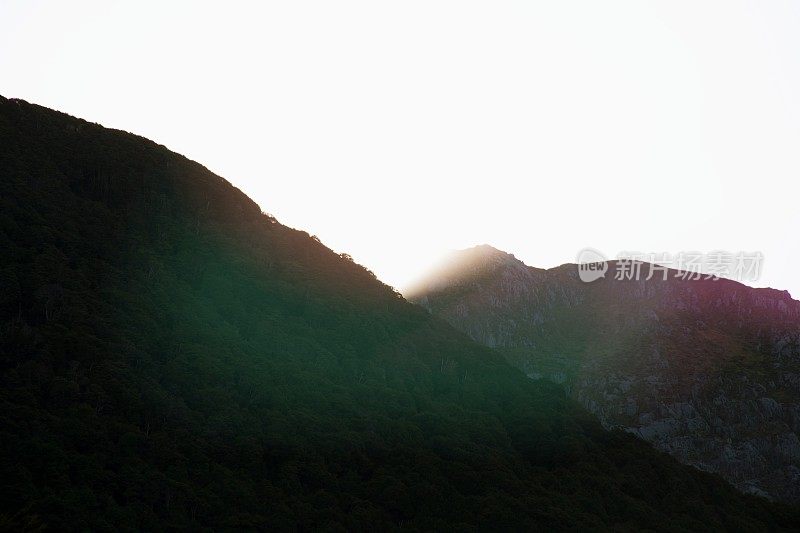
(171, 357)
(707, 370)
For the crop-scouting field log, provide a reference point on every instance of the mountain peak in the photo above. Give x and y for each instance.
(698, 367)
(465, 266)
(482, 253)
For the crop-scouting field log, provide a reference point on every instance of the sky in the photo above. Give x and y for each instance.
(398, 131)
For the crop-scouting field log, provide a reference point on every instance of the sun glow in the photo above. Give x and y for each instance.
(397, 131)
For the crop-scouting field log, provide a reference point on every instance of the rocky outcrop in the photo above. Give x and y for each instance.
(706, 370)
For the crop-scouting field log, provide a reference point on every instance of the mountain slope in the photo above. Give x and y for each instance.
(174, 358)
(707, 370)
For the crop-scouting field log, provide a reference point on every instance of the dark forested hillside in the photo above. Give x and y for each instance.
(171, 357)
(707, 370)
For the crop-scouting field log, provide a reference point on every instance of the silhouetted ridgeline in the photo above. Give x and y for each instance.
(173, 358)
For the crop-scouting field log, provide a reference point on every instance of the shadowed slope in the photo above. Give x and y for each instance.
(174, 358)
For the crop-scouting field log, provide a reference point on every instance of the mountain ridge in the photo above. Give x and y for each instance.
(173, 358)
(605, 338)
(468, 254)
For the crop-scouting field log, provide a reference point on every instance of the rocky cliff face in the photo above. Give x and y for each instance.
(706, 370)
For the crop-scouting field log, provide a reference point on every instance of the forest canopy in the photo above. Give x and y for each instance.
(172, 357)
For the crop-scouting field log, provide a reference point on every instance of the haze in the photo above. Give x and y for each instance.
(398, 131)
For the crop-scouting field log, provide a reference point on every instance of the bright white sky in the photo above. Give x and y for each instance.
(396, 131)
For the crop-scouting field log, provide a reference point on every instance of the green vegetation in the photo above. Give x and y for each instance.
(174, 358)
